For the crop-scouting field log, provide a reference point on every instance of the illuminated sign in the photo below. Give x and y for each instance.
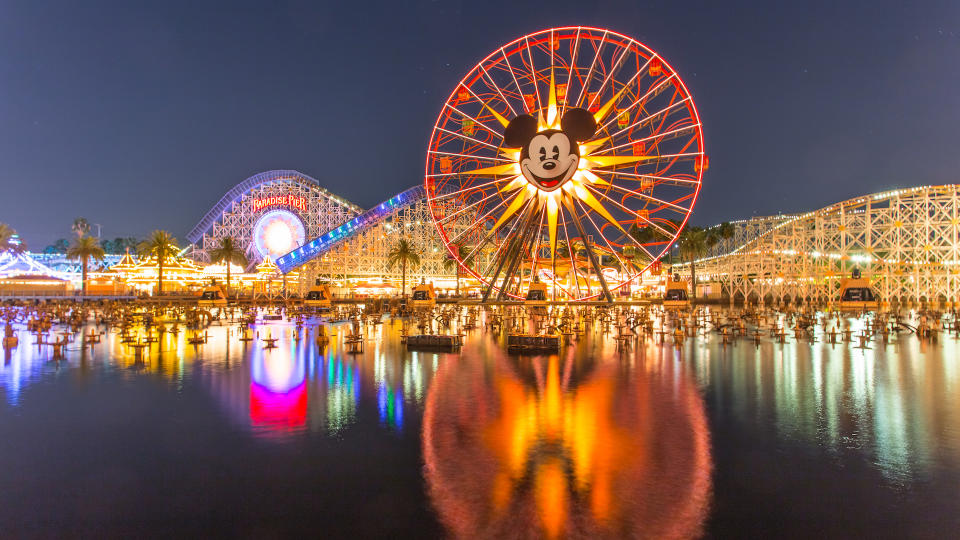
(293, 201)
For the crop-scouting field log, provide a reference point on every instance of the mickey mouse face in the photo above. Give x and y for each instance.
(550, 157)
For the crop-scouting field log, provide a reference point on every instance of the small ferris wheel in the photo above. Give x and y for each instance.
(576, 155)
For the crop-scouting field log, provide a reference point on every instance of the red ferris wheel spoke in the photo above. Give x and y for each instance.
(666, 110)
(586, 81)
(670, 205)
(573, 66)
(464, 137)
(492, 233)
(491, 82)
(533, 76)
(477, 122)
(629, 211)
(613, 70)
(571, 253)
(657, 136)
(512, 73)
(613, 250)
(481, 221)
(645, 176)
(470, 207)
(637, 101)
(468, 156)
(469, 188)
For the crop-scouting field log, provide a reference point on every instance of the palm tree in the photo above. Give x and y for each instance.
(404, 254)
(726, 230)
(612, 261)
(9, 242)
(85, 248)
(694, 243)
(462, 253)
(162, 245)
(80, 226)
(228, 253)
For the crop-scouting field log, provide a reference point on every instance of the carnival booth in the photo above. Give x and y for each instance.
(424, 297)
(318, 297)
(856, 293)
(213, 295)
(675, 294)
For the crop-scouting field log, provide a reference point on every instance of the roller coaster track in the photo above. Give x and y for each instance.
(324, 243)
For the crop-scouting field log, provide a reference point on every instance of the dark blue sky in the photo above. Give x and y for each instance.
(142, 117)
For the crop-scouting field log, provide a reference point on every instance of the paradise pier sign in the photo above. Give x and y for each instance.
(293, 201)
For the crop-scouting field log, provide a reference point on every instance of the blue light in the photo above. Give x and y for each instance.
(382, 402)
(398, 410)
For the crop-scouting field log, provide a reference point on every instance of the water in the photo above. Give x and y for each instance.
(228, 438)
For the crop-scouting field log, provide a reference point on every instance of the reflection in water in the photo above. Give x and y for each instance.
(588, 443)
(284, 412)
(278, 390)
(899, 404)
(277, 393)
(389, 396)
(551, 446)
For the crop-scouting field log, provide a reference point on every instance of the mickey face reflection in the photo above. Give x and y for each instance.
(550, 157)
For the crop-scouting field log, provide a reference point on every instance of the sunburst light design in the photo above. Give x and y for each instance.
(635, 184)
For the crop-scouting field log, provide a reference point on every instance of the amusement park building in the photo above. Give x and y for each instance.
(904, 241)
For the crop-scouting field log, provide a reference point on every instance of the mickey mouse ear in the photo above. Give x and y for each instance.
(578, 124)
(519, 131)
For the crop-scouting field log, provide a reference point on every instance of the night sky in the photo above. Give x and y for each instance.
(142, 117)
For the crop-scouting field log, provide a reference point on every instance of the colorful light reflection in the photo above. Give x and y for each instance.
(278, 391)
(280, 412)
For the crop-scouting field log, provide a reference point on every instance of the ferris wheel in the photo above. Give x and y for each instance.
(575, 155)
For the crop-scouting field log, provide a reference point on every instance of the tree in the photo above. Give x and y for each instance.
(118, 245)
(80, 226)
(9, 242)
(228, 253)
(404, 254)
(694, 243)
(163, 246)
(60, 246)
(612, 261)
(462, 253)
(726, 230)
(85, 248)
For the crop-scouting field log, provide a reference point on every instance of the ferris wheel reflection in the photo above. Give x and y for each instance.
(546, 447)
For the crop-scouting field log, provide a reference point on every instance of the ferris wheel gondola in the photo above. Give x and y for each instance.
(577, 154)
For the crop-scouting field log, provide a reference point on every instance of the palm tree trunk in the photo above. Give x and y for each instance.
(159, 275)
(83, 278)
(403, 281)
(458, 280)
(228, 280)
(693, 276)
